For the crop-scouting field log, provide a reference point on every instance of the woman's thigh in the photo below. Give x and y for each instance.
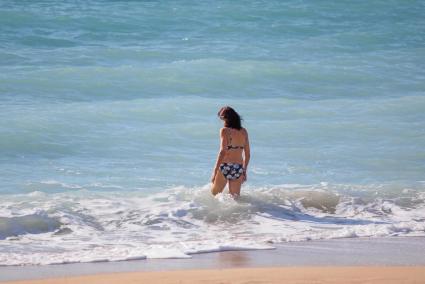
(219, 183)
(235, 186)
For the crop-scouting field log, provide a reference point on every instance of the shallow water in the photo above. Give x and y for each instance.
(108, 127)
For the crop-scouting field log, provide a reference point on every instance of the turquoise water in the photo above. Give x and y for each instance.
(119, 98)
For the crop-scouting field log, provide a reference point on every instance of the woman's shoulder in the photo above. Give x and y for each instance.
(223, 130)
(227, 129)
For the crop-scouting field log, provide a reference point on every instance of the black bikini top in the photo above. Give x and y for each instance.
(229, 144)
(234, 147)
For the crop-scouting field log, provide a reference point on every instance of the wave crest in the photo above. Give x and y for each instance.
(27, 224)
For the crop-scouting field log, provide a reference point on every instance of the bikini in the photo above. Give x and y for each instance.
(231, 171)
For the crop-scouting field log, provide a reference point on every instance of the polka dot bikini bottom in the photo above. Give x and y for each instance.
(231, 171)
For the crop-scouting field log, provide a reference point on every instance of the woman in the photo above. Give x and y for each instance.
(231, 165)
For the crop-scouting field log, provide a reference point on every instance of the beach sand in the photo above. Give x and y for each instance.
(377, 260)
(358, 275)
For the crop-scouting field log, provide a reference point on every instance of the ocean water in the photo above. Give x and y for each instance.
(108, 126)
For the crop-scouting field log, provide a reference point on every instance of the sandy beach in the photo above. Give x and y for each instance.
(358, 275)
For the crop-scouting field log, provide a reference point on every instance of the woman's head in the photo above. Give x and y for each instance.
(230, 117)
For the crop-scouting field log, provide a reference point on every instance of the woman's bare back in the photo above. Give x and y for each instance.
(235, 144)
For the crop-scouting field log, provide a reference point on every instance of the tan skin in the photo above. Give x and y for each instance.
(241, 156)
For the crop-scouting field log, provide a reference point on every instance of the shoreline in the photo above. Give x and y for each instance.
(336, 253)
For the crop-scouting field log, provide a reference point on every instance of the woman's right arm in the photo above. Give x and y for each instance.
(221, 154)
(247, 155)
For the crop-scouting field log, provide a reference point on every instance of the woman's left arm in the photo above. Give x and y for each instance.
(247, 156)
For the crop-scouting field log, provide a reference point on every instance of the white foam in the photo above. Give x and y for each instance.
(179, 222)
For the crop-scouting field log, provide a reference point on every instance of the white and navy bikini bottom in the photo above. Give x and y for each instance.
(231, 171)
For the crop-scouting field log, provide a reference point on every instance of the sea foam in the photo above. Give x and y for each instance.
(181, 221)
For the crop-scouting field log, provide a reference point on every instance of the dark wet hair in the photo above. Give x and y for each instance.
(231, 118)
